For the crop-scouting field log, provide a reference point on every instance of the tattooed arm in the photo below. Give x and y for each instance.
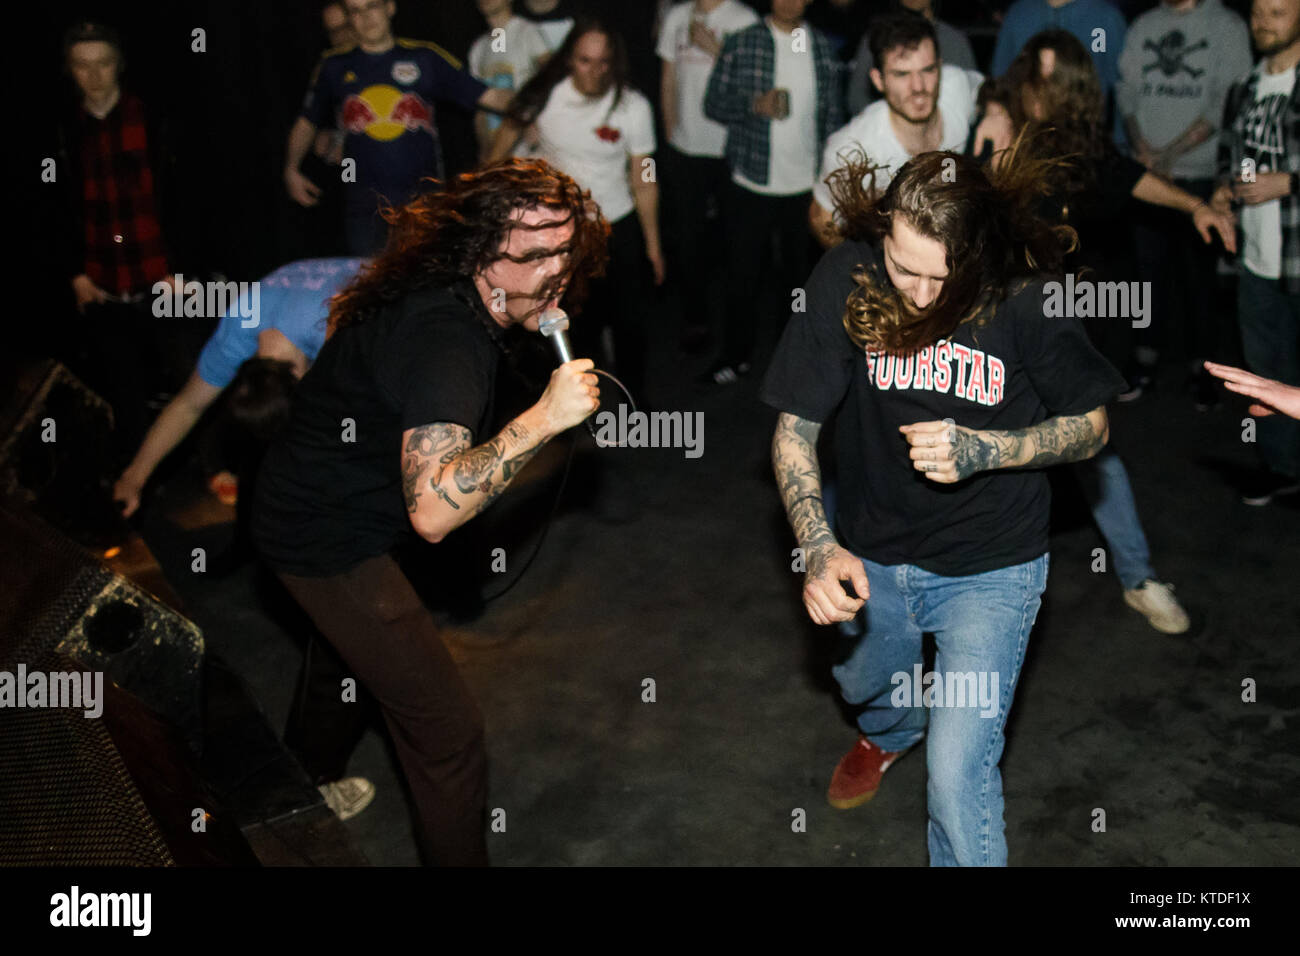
(948, 453)
(446, 482)
(798, 477)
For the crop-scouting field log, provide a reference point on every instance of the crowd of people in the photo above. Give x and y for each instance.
(838, 172)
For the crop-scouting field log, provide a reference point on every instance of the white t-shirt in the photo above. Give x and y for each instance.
(696, 134)
(580, 136)
(872, 131)
(1265, 142)
(508, 60)
(792, 142)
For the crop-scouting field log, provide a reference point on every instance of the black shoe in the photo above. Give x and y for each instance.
(1265, 485)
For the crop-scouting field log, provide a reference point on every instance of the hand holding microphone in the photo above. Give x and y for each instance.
(573, 392)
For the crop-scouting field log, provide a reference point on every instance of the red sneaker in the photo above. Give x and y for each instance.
(857, 777)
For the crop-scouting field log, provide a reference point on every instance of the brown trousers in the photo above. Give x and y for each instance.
(385, 634)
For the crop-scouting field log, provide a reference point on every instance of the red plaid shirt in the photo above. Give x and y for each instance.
(123, 242)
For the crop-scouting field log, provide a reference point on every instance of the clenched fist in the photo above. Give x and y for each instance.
(571, 395)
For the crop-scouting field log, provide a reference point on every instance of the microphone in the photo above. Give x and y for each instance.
(554, 325)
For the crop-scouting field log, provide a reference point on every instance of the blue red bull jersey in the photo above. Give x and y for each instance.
(383, 102)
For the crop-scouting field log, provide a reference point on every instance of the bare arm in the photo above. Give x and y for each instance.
(301, 189)
(949, 453)
(822, 224)
(495, 99)
(645, 196)
(172, 425)
(668, 96)
(446, 482)
(484, 135)
(1188, 139)
(799, 480)
(507, 137)
(1155, 189)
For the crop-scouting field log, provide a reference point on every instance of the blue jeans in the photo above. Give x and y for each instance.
(981, 625)
(1270, 338)
(1106, 487)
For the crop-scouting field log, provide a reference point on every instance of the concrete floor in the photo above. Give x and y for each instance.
(692, 587)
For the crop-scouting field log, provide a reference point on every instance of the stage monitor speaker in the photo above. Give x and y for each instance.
(116, 789)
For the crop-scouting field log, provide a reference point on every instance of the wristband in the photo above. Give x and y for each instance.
(804, 498)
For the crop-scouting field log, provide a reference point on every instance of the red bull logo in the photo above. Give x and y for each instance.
(383, 112)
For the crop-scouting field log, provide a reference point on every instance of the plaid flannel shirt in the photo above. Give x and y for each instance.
(745, 68)
(1232, 150)
(115, 236)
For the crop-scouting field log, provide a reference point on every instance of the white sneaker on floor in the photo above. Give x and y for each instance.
(1157, 603)
(348, 797)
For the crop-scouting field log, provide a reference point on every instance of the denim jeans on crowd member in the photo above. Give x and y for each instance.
(981, 624)
(1105, 484)
(1270, 337)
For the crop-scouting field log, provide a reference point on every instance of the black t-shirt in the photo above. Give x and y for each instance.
(1096, 213)
(324, 503)
(1012, 372)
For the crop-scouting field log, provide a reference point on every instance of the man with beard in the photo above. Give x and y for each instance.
(927, 105)
(924, 332)
(1259, 169)
(386, 437)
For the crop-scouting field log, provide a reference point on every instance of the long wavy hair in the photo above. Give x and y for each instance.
(531, 100)
(986, 222)
(453, 234)
(1072, 104)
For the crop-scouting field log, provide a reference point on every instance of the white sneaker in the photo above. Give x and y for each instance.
(1157, 603)
(348, 797)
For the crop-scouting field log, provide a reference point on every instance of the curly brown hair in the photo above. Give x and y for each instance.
(985, 221)
(456, 232)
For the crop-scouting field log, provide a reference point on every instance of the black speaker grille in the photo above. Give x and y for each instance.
(66, 799)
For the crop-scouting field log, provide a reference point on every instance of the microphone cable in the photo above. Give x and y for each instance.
(559, 492)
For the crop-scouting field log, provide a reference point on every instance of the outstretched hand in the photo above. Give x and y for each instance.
(1275, 396)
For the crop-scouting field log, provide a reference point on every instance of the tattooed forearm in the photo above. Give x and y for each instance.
(438, 458)
(413, 469)
(427, 449)
(476, 469)
(799, 480)
(1053, 442)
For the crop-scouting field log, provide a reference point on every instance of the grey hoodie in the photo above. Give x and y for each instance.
(1177, 67)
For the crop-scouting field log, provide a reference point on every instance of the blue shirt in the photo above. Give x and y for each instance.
(294, 300)
(383, 102)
